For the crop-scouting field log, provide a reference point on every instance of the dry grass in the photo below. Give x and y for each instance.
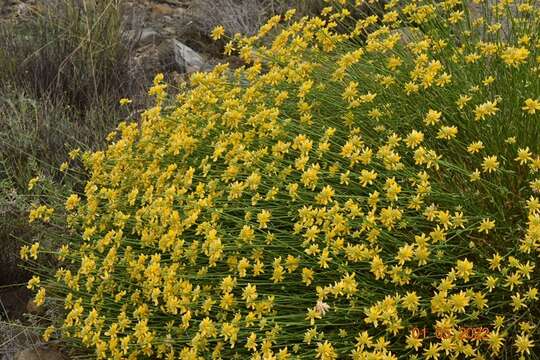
(68, 50)
(244, 16)
(14, 338)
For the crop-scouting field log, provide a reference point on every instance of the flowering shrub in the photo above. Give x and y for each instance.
(334, 198)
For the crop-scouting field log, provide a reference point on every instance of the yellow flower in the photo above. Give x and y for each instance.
(515, 56)
(325, 196)
(350, 92)
(247, 234)
(414, 139)
(289, 14)
(432, 117)
(462, 101)
(263, 217)
(325, 351)
(475, 147)
(230, 333)
(377, 267)
(277, 275)
(72, 202)
(227, 301)
(218, 32)
(488, 81)
(490, 163)
(313, 314)
(41, 212)
(413, 341)
(464, 269)
(47, 333)
(33, 282)
(411, 88)
(447, 132)
(249, 294)
(324, 259)
(40, 297)
(495, 341)
(486, 225)
(228, 48)
(242, 266)
(251, 343)
(367, 177)
(292, 263)
(432, 352)
(411, 301)
(524, 155)
(73, 154)
(510, 140)
(34, 250)
(311, 176)
(124, 101)
(32, 182)
(499, 321)
(307, 276)
(228, 283)
(489, 108)
(530, 106)
(495, 262)
(459, 301)
(475, 175)
(23, 253)
(532, 294)
(405, 253)
(518, 302)
(523, 344)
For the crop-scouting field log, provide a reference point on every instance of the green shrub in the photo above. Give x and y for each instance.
(329, 200)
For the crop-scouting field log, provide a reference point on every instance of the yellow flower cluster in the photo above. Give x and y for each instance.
(323, 200)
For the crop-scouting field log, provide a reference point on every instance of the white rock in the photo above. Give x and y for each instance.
(187, 58)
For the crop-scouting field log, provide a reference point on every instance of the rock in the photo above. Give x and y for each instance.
(168, 30)
(176, 56)
(146, 62)
(13, 300)
(32, 308)
(164, 56)
(16, 8)
(169, 56)
(180, 12)
(143, 37)
(40, 354)
(162, 9)
(187, 58)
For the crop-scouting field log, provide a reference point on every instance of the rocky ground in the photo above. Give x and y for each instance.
(164, 40)
(164, 35)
